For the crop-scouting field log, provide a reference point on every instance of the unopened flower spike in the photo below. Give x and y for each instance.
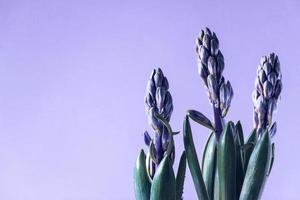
(210, 68)
(268, 86)
(159, 107)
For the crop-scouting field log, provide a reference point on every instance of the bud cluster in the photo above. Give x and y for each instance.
(268, 86)
(158, 101)
(210, 68)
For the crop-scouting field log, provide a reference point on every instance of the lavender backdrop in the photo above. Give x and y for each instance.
(73, 77)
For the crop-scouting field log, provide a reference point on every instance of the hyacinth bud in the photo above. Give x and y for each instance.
(212, 86)
(158, 102)
(210, 68)
(226, 95)
(158, 99)
(268, 86)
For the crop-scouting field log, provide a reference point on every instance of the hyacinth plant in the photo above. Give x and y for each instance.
(231, 168)
(153, 174)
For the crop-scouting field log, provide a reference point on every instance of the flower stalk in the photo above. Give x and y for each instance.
(210, 68)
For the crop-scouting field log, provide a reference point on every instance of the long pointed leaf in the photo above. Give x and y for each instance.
(193, 162)
(180, 176)
(200, 118)
(249, 148)
(164, 184)
(217, 195)
(239, 160)
(209, 164)
(142, 183)
(239, 130)
(227, 164)
(257, 170)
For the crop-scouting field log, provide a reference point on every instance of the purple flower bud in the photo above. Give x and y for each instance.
(277, 68)
(223, 96)
(152, 120)
(158, 78)
(165, 83)
(201, 35)
(212, 87)
(212, 65)
(272, 58)
(206, 41)
(207, 31)
(260, 105)
(147, 138)
(272, 77)
(168, 108)
(262, 76)
(203, 53)
(258, 86)
(160, 98)
(203, 71)
(267, 67)
(221, 65)
(214, 47)
(268, 89)
(229, 92)
(271, 108)
(263, 60)
(148, 102)
(278, 88)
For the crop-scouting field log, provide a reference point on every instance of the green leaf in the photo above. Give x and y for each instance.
(272, 158)
(217, 195)
(257, 170)
(142, 183)
(249, 148)
(238, 139)
(209, 164)
(180, 176)
(239, 130)
(200, 118)
(193, 162)
(226, 161)
(164, 183)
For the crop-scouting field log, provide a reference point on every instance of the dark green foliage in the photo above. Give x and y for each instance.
(164, 184)
(217, 195)
(226, 164)
(248, 147)
(258, 167)
(239, 130)
(239, 142)
(209, 164)
(193, 162)
(180, 176)
(142, 183)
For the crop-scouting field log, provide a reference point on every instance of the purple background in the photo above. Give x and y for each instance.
(73, 76)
